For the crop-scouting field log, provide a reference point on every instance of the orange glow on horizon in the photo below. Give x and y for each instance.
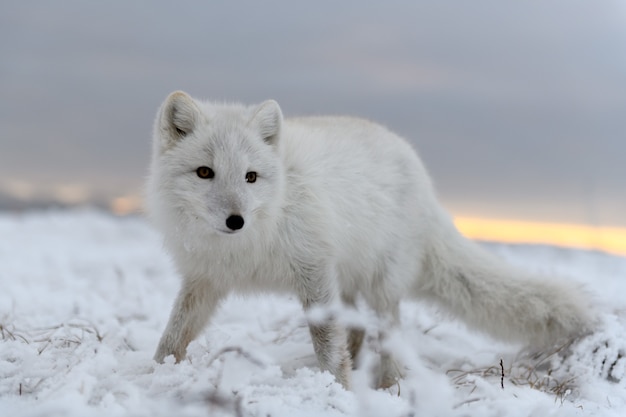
(607, 239)
(122, 206)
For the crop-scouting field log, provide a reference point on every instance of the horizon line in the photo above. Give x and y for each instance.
(609, 239)
(576, 236)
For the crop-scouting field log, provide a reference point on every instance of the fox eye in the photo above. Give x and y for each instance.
(250, 176)
(205, 172)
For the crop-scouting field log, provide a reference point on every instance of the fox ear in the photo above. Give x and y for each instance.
(268, 119)
(177, 118)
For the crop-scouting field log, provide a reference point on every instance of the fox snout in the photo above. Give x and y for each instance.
(234, 222)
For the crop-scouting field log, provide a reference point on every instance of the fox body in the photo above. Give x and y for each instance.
(331, 209)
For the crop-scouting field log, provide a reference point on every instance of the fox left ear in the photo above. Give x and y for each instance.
(268, 119)
(176, 119)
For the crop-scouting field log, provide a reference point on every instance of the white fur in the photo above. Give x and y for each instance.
(341, 208)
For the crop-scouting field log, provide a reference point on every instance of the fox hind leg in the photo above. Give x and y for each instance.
(355, 334)
(355, 341)
(389, 371)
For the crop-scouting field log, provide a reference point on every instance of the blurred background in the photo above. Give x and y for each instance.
(518, 109)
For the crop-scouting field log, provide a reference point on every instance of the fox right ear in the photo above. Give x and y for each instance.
(177, 118)
(268, 119)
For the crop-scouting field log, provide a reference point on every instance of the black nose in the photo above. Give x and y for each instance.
(234, 222)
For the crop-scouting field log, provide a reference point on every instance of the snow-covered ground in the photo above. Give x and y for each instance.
(84, 297)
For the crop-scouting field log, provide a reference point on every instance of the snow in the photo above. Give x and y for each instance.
(84, 297)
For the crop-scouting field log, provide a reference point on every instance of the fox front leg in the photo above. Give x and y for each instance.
(192, 309)
(328, 336)
(329, 343)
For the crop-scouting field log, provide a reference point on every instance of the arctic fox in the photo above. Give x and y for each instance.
(331, 209)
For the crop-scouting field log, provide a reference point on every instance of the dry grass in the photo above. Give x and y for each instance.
(536, 371)
(61, 337)
(8, 332)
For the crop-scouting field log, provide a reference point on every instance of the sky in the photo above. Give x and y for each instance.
(518, 109)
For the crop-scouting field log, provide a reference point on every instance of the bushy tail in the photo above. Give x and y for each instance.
(492, 296)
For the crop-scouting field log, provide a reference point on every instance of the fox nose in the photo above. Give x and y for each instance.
(234, 222)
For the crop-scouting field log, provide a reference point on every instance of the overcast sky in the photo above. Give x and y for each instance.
(517, 108)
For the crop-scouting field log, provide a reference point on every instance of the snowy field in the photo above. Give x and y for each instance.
(84, 297)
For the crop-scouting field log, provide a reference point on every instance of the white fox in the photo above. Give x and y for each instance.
(331, 209)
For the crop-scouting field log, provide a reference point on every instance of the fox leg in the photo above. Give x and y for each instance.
(316, 288)
(355, 334)
(389, 371)
(331, 350)
(192, 309)
(355, 341)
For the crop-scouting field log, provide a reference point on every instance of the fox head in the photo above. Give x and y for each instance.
(217, 167)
